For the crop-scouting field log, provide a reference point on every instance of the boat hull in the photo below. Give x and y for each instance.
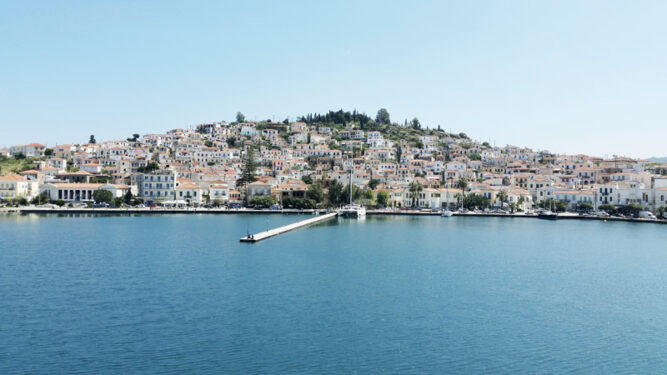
(353, 212)
(548, 216)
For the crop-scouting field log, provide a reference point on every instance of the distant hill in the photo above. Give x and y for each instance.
(658, 160)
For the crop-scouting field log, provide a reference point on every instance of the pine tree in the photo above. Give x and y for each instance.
(249, 166)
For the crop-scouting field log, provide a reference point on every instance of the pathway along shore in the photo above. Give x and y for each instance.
(163, 211)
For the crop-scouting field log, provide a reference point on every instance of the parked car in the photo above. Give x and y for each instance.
(100, 205)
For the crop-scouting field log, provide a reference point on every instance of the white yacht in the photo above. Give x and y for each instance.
(446, 213)
(352, 210)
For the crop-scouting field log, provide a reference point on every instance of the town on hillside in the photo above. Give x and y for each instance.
(308, 163)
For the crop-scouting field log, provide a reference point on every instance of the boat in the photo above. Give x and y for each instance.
(547, 214)
(446, 213)
(351, 209)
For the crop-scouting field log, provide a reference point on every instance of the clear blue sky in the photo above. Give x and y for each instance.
(567, 76)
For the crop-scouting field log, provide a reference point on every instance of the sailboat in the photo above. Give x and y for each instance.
(351, 209)
(547, 214)
(446, 213)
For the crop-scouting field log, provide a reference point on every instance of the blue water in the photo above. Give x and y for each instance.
(179, 294)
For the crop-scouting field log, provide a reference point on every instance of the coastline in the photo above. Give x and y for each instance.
(169, 211)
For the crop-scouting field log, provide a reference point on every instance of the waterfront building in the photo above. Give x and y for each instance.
(219, 192)
(70, 192)
(189, 192)
(17, 186)
(155, 186)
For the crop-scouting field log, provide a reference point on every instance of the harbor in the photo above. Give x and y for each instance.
(370, 212)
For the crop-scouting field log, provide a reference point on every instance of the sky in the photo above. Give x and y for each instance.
(565, 76)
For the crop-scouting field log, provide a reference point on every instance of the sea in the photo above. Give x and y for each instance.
(175, 294)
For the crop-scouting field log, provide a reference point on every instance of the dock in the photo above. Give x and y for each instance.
(286, 228)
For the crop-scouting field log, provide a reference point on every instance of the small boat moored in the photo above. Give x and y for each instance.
(547, 214)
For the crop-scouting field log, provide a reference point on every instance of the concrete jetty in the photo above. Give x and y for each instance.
(286, 228)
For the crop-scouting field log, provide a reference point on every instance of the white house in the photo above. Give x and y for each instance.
(16, 186)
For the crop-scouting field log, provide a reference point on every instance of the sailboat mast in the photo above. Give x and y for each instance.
(350, 185)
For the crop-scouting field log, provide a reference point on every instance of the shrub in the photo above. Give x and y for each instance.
(265, 201)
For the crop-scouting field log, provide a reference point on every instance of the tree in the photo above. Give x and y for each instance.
(335, 193)
(608, 208)
(382, 117)
(631, 209)
(415, 189)
(420, 144)
(415, 124)
(92, 139)
(475, 156)
(19, 156)
(208, 143)
(299, 203)
(127, 198)
(40, 199)
(373, 183)
(315, 192)
(20, 201)
(585, 206)
(502, 197)
(249, 166)
(264, 201)
(357, 193)
(117, 201)
(102, 196)
(48, 152)
(231, 141)
(150, 167)
(240, 117)
(382, 198)
(307, 179)
(561, 206)
(476, 201)
(463, 185)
